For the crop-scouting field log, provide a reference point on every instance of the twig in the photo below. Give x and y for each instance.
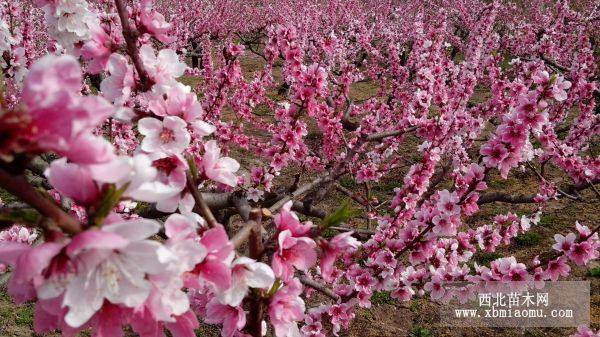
(595, 189)
(319, 287)
(381, 135)
(301, 190)
(201, 205)
(543, 179)
(360, 200)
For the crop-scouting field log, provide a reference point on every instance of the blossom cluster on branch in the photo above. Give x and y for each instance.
(133, 136)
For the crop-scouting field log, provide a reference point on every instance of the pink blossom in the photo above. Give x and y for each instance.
(216, 266)
(288, 220)
(404, 293)
(113, 264)
(339, 244)
(564, 243)
(581, 253)
(98, 50)
(167, 137)
(154, 23)
(435, 287)
(448, 202)
(62, 120)
(28, 263)
(494, 152)
(293, 252)
(559, 89)
(165, 67)
(170, 172)
(584, 331)
(174, 99)
(556, 269)
(286, 308)
(217, 168)
(341, 315)
(73, 180)
(117, 86)
(254, 194)
(246, 273)
(232, 318)
(140, 176)
(166, 299)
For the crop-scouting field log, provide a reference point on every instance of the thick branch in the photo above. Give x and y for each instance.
(505, 197)
(244, 233)
(255, 248)
(19, 187)
(131, 37)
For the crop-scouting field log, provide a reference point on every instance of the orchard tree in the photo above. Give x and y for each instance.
(155, 195)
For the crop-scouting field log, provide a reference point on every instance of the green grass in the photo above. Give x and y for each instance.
(7, 197)
(528, 239)
(595, 272)
(10, 313)
(386, 187)
(547, 220)
(347, 182)
(485, 258)
(499, 183)
(328, 233)
(190, 80)
(420, 332)
(382, 297)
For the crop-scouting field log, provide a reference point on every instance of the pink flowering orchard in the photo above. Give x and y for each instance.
(157, 182)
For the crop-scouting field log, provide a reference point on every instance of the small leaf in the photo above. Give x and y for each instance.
(340, 215)
(109, 200)
(274, 288)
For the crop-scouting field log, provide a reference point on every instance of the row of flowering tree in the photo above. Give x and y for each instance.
(126, 191)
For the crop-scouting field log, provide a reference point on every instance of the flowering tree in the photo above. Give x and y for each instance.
(132, 213)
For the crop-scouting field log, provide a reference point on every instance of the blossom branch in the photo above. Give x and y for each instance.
(556, 255)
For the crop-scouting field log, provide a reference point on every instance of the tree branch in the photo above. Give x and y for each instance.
(131, 37)
(381, 135)
(319, 287)
(301, 190)
(19, 187)
(201, 205)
